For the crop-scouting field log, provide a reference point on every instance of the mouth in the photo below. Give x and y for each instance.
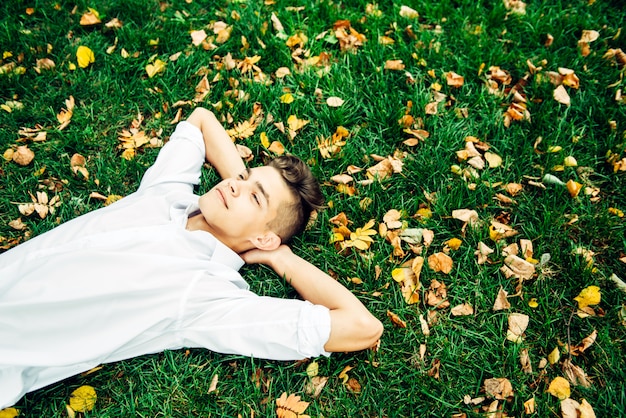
(222, 197)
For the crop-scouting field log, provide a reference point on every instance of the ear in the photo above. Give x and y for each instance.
(267, 242)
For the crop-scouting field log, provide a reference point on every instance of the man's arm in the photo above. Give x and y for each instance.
(221, 152)
(353, 327)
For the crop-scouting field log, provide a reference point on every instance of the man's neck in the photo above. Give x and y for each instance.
(196, 222)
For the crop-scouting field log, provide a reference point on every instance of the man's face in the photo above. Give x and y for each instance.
(242, 207)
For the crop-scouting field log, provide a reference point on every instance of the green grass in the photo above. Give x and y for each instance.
(456, 36)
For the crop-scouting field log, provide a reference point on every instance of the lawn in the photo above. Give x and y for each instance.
(473, 159)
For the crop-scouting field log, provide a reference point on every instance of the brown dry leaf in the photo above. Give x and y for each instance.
(434, 370)
(342, 178)
(40, 204)
(395, 319)
(559, 387)
(437, 295)
(197, 36)
(529, 406)
(394, 65)
(575, 374)
(561, 96)
(493, 160)
(454, 80)
(65, 115)
(517, 325)
(518, 268)
(513, 188)
(202, 89)
(409, 13)
(290, 406)
(440, 262)
(392, 219)
(381, 170)
(349, 39)
(584, 344)
(89, 18)
(501, 301)
(589, 36)
(22, 155)
(277, 148)
(213, 385)
(463, 309)
(77, 164)
(465, 215)
(296, 124)
(314, 386)
(482, 252)
(334, 101)
(524, 360)
(498, 388)
(515, 6)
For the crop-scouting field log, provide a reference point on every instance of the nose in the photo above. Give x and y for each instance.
(236, 186)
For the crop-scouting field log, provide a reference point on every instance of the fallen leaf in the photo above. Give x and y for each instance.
(575, 374)
(394, 65)
(498, 388)
(65, 115)
(287, 98)
(440, 262)
(334, 101)
(198, 36)
(290, 406)
(315, 385)
(89, 18)
(529, 406)
(22, 155)
(277, 148)
(9, 413)
(83, 399)
(518, 268)
(498, 231)
(559, 387)
(588, 296)
(84, 56)
(501, 301)
(494, 160)
(395, 319)
(524, 360)
(584, 344)
(454, 80)
(482, 252)
(454, 243)
(158, 66)
(561, 96)
(406, 11)
(213, 385)
(463, 309)
(77, 164)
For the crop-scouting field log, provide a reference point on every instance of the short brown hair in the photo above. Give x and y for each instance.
(293, 216)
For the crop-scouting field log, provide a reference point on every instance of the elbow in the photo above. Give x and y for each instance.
(371, 330)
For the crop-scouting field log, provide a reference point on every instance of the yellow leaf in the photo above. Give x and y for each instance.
(265, 140)
(570, 161)
(494, 160)
(296, 124)
(424, 213)
(84, 56)
(83, 399)
(312, 369)
(554, 356)
(242, 130)
(287, 98)
(156, 67)
(9, 413)
(588, 296)
(559, 388)
(533, 303)
(454, 243)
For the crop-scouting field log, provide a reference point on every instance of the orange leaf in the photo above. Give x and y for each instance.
(290, 406)
(440, 262)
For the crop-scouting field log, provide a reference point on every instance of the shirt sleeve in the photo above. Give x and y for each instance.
(180, 160)
(237, 321)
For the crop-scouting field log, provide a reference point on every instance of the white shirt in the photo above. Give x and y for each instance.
(129, 279)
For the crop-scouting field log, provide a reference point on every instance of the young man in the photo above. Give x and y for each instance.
(157, 270)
